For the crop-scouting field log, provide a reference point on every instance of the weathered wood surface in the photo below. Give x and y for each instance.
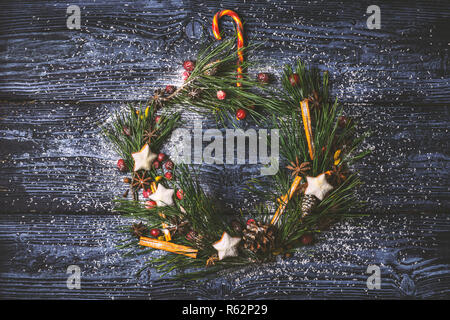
(412, 251)
(53, 161)
(127, 48)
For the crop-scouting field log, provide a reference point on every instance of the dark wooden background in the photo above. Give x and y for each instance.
(58, 176)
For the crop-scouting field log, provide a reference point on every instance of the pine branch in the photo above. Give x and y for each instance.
(329, 139)
(127, 130)
(222, 56)
(335, 148)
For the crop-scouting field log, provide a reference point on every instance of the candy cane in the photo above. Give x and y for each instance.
(239, 30)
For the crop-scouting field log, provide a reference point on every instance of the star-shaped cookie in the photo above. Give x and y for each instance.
(227, 246)
(318, 186)
(162, 196)
(143, 159)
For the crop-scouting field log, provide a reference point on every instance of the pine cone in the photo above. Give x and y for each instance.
(258, 237)
(309, 202)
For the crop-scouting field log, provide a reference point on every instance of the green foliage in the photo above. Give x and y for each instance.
(202, 216)
(138, 119)
(328, 137)
(335, 150)
(256, 98)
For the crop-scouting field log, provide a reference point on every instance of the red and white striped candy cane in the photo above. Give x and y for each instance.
(239, 30)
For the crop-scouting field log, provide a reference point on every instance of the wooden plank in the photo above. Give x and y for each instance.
(126, 49)
(408, 168)
(411, 250)
(54, 159)
(54, 162)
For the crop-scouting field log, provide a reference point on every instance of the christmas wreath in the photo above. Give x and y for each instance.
(316, 141)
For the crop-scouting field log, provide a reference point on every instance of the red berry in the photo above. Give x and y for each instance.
(126, 131)
(189, 65)
(121, 165)
(241, 114)
(169, 89)
(146, 193)
(168, 175)
(169, 165)
(157, 119)
(294, 79)
(221, 95)
(307, 239)
(250, 221)
(155, 232)
(161, 157)
(186, 75)
(150, 204)
(263, 77)
(180, 194)
(156, 164)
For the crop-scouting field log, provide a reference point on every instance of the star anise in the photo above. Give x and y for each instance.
(297, 168)
(194, 93)
(149, 135)
(315, 100)
(140, 181)
(158, 97)
(339, 174)
(139, 229)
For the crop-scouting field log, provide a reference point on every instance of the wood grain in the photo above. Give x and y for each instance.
(411, 250)
(54, 159)
(58, 177)
(126, 49)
